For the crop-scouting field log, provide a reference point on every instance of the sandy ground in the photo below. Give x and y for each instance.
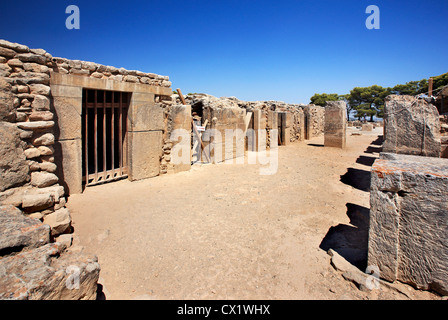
(226, 232)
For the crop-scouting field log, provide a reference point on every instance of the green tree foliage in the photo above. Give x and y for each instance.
(411, 88)
(322, 98)
(368, 101)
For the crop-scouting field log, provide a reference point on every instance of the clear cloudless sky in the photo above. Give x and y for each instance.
(250, 49)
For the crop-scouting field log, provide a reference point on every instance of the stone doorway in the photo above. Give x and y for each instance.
(104, 135)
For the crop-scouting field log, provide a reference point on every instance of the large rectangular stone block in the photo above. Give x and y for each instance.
(67, 116)
(68, 159)
(180, 116)
(411, 126)
(144, 152)
(144, 114)
(105, 84)
(408, 235)
(335, 124)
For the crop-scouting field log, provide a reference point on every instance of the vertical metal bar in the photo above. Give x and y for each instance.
(86, 136)
(430, 83)
(120, 135)
(104, 136)
(126, 123)
(112, 132)
(95, 129)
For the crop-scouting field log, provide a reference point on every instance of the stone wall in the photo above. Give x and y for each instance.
(28, 179)
(335, 124)
(295, 119)
(40, 120)
(444, 135)
(314, 121)
(176, 116)
(33, 268)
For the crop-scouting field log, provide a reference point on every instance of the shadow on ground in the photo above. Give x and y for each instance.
(378, 141)
(366, 160)
(357, 178)
(376, 146)
(315, 145)
(350, 241)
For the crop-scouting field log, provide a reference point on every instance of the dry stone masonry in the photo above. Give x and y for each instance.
(40, 126)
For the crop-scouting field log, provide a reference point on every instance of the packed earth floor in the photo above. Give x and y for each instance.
(226, 232)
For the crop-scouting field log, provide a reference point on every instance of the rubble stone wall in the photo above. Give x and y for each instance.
(30, 183)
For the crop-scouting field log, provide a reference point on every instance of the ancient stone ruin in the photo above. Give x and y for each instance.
(68, 124)
(335, 124)
(411, 126)
(408, 237)
(408, 220)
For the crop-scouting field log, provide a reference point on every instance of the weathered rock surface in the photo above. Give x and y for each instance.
(6, 101)
(335, 124)
(18, 231)
(411, 126)
(408, 236)
(47, 273)
(14, 169)
(43, 179)
(59, 221)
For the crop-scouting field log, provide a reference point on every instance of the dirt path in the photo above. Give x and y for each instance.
(226, 232)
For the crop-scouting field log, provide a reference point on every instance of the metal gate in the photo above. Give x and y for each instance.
(104, 135)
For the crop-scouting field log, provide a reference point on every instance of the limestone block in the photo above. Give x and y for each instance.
(180, 116)
(14, 46)
(47, 273)
(27, 77)
(144, 114)
(48, 166)
(230, 126)
(59, 221)
(45, 139)
(5, 70)
(45, 151)
(35, 125)
(8, 53)
(15, 170)
(31, 57)
(18, 231)
(37, 202)
(68, 157)
(411, 126)
(40, 89)
(15, 63)
(408, 235)
(32, 153)
(43, 179)
(272, 120)
(335, 124)
(6, 101)
(67, 112)
(260, 130)
(144, 151)
(367, 127)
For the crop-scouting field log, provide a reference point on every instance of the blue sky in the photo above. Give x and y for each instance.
(254, 50)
